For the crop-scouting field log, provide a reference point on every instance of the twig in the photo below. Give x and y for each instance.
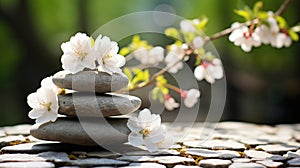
(283, 7)
(222, 33)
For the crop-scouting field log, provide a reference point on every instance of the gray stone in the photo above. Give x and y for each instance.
(21, 158)
(205, 153)
(55, 156)
(252, 142)
(109, 131)
(102, 154)
(277, 158)
(277, 148)
(27, 165)
(270, 163)
(137, 158)
(257, 154)
(216, 144)
(294, 162)
(184, 166)
(290, 154)
(246, 165)
(90, 81)
(145, 165)
(34, 148)
(173, 159)
(98, 162)
(22, 129)
(241, 160)
(215, 163)
(91, 105)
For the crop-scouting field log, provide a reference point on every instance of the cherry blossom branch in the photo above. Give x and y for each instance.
(220, 34)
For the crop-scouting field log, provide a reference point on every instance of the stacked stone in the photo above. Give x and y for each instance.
(92, 113)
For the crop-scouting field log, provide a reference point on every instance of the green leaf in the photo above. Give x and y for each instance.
(245, 14)
(203, 23)
(124, 51)
(293, 35)
(172, 32)
(127, 73)
(154, 93)
(161, 79)
(257, 7)
(281, 21)
(161, 97)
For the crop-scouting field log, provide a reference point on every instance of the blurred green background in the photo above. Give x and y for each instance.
(263, 85)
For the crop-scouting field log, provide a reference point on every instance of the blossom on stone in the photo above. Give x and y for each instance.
(48, 83)
(107, 55)
(198, 42)
(190, 97)
(78, 54)
(244, 37)
(44, 104)
(170, 103)
(176, 53)
(152, 56)
(146, 130)
(189, 25)
(209, 71)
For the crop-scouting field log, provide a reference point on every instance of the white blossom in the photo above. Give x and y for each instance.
(189, 25)
(243, 37)
(170, 103)
(190, 97)
(44, 104)
(149, 57)
(198, 42)
(48, 83)
(209, 71)
(107, 55)
(146, 130)
(78, 54)
(281, 40)
(175, 54)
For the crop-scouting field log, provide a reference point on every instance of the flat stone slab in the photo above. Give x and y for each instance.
(104, 131)
(246, 165)
(91, 105)
(277, 148)
(215, 163)
(216, 144)
(90, 81)
(205, 153)
(257, 154)
(270, 163)
(27, 165)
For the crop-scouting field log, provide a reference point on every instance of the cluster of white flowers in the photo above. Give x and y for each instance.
(176, 53)
(269, 33)
(170, 103)
(190, 26)
(190, 97)
(44, 102)
(209, 71)
(147, 130)
(82, 52)
(151, 56)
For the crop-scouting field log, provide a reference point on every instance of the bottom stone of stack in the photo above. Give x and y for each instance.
(86, 131)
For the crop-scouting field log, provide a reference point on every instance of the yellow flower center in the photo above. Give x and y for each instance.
(145, 132)
(47, 105)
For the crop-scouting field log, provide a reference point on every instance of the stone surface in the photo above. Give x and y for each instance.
(205, 153)
(216, 144)
(27, 165)
(23, 129)
(277, 148)
(257, 154)
(215, 163)
(105, 131)
(91, 105)
(246, 165)
(12, 140)
(294, 162)
(270, 163)
(90, 81)
(98, 162)
(266, 146)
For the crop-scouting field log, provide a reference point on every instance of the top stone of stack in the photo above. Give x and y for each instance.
(90, 81)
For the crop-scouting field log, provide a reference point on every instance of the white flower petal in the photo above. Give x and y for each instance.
(135, 139)
(36, 113)
(32, 100)
(187, 26)
(132, 124)
(151, 147)
(199, 72)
